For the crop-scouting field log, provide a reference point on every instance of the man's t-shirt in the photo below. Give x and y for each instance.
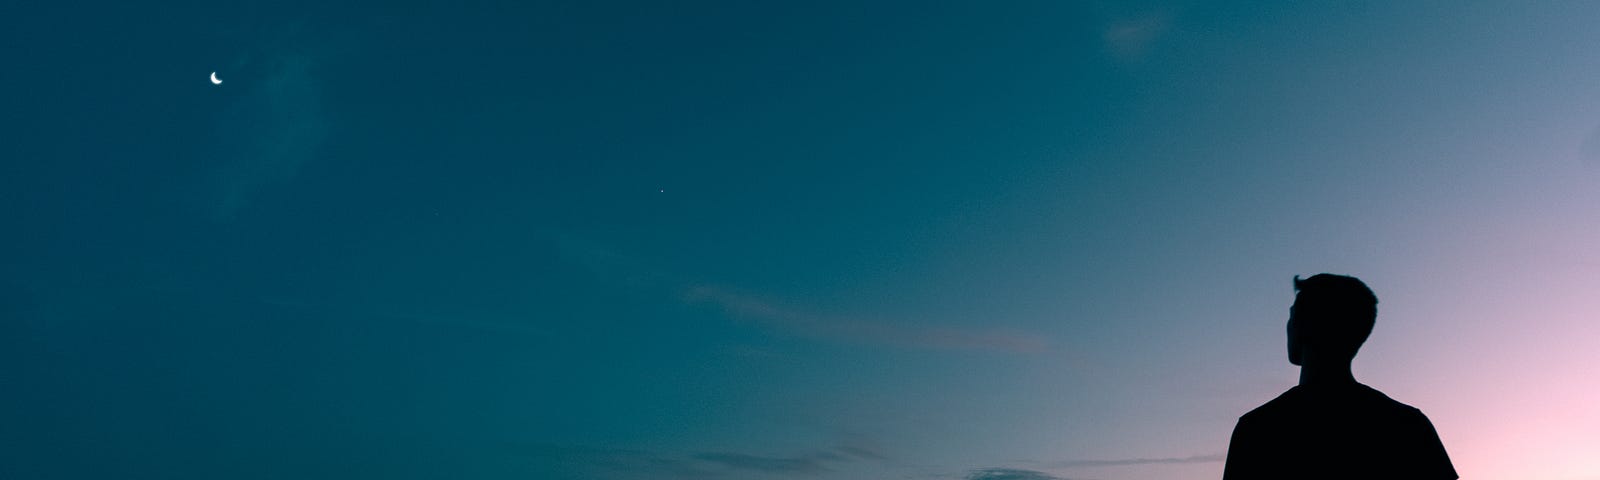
(1336, 431)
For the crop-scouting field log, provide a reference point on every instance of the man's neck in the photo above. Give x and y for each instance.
(1336, 374)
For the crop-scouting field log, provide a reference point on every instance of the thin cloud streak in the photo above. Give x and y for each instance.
(807, 464)
(641, 464)
(855, 331)
(1009, 474)
(1215, 457)
(613, 463)
(607, 264)
(862, 452)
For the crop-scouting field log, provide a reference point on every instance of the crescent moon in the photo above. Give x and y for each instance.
(215, 80)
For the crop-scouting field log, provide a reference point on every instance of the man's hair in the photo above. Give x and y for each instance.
(1335, 312)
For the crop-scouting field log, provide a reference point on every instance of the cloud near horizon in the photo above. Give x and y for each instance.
(806, 464)
(632, 464)
(856, 331)
(1215, 457)
(1009, 474)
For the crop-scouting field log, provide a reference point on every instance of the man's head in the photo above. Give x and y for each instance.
(1332, 316)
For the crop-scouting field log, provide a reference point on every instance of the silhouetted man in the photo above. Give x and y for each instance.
(1330, 426)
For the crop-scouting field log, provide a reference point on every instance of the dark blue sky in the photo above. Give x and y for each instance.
(998, 241)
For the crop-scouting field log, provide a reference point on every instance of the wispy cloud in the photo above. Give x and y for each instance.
(1129, 39)
(1010, 474)
(274, 127)
(862, 452)
(1215, 457)
(629, 464)
(805, 464)
(587, 462)
(607, 264)
(639, 464)
(859, 331)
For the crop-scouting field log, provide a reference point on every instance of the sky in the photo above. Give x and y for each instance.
(809, 240)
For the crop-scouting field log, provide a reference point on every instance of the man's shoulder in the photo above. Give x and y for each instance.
(1287, 400)
(1378, 400)
(1358, 397)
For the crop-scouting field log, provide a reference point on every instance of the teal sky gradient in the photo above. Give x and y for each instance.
(834, 241)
